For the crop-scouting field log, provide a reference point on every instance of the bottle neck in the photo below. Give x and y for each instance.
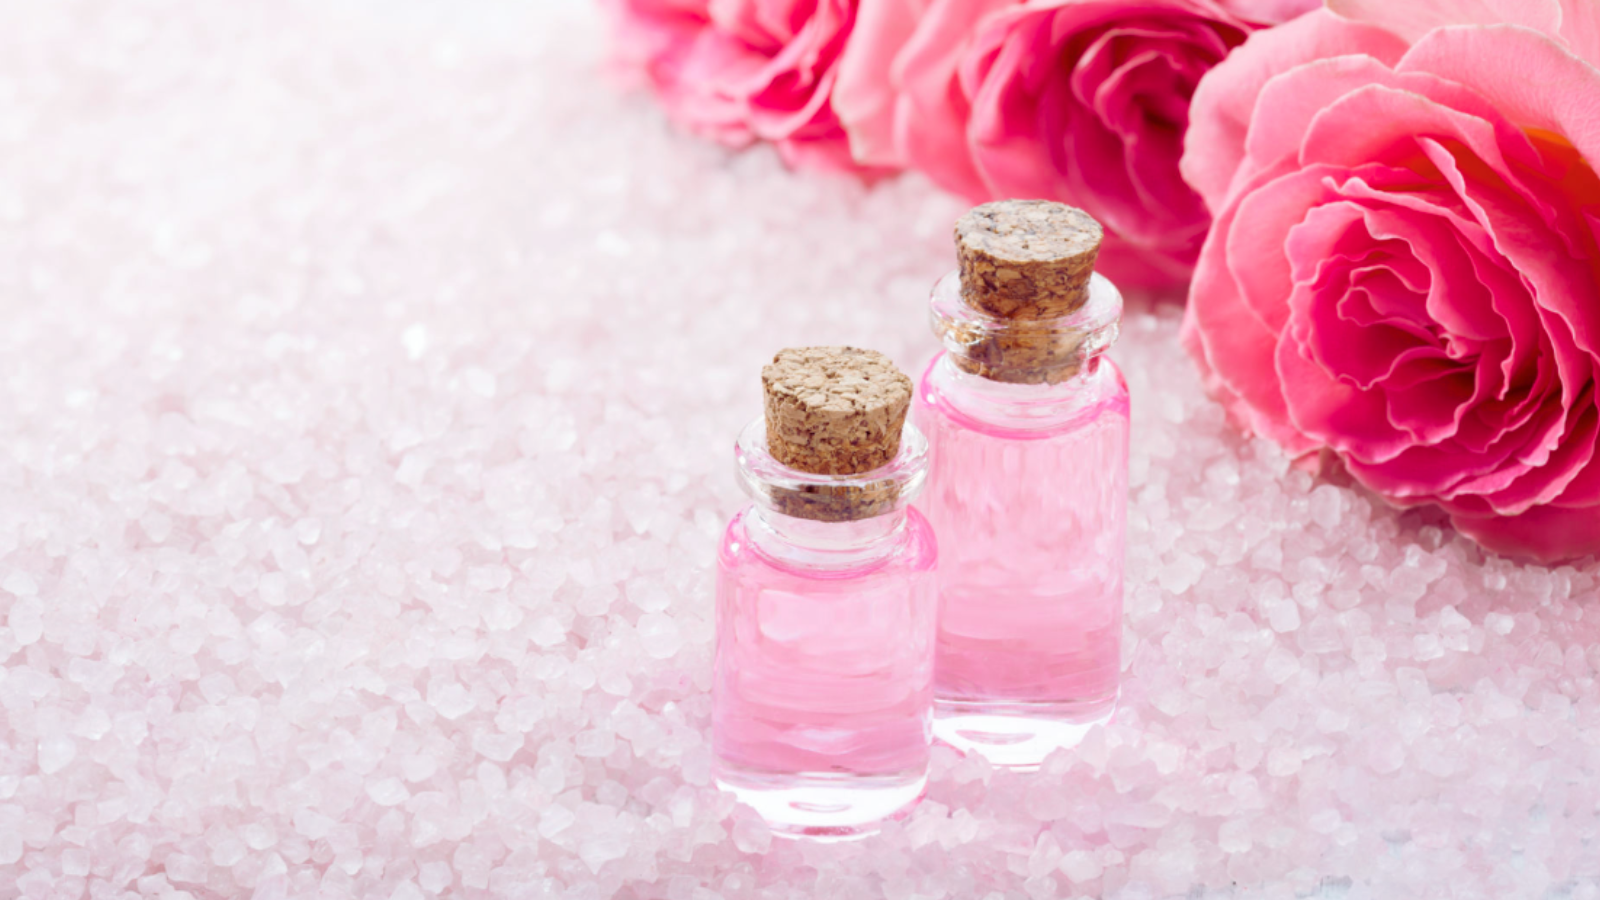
(827, 546)
(1023, 407)
(1026, 349)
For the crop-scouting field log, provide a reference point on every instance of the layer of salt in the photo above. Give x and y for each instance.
(370, 378)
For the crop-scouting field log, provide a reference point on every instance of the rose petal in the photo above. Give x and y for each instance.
(1548, 478)
(1234, 346)
(1431, 410)
(1224, 103)
(1004, 139)
(1272, 12)
(1580, 28)
(1335, 316)
(1413, 19)
(1548, 534)
(1530, 79)
(788, 101)
(1366, 124)
(1564, 287)
(864, 93)
(1508, 297)
(1256, 251)
(931, 114)
(1333, 412)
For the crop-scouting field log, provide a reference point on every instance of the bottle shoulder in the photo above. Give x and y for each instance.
(946, 396)
(911, 548)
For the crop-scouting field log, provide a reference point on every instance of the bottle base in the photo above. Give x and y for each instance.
(825, 806)
(1017, 736)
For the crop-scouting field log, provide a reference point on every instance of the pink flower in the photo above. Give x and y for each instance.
(1084, 101)
(1404, 269)
(742, 70)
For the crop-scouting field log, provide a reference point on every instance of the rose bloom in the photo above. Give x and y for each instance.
(1082, 101)
(1404, 269)
(742, 70)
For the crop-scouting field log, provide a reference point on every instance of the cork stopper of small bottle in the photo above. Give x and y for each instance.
(1026, 261)
(834, 410)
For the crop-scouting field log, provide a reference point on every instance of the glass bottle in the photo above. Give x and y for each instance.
(823, 683)
(1027, 424)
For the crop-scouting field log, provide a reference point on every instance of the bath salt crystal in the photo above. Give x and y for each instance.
(1499, 623)
(601, 849)
(450, 699)
(56, 752)
(1326, 505)
(1181, 574)
(554, 820)
(185, 869)
(660, 635)
(1080, 866)
(75, 863)
(229, 852)
(20, 583)
(751, 835)
(312, 824)
(435, 876)
(388, 791)
(497, 746)
(258, 836)
(1234, 837)
(648, 596)
(26, 620)
(480, 381)
(547, 632)
(1283, 761)
(1282, 613)
(595, 743)
(415, 339)
(10, 847)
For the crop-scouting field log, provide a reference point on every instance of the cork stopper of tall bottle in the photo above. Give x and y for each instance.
(1028, 263)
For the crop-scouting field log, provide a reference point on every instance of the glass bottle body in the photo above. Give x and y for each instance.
(1028, 495)
(823, 680)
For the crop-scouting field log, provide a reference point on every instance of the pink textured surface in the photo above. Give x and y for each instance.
(370, 380)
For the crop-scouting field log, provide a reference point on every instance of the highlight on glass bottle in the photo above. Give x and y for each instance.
(1027, 424)
(826, 602)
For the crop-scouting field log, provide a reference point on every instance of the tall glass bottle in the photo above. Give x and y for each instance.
(1027, 424)
(823, 683)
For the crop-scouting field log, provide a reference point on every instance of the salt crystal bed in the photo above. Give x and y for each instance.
(370, 375)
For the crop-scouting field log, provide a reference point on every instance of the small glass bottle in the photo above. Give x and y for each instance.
(1027, 425)
(826, 601)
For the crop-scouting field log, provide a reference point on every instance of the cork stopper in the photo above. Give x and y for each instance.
(1027, 262)
(1027, 259)
(834, 410)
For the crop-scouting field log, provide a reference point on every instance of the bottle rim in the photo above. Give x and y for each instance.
(1075, 338)
(830, 498)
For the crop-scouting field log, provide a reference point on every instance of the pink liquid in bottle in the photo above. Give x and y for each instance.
(823, 683)
(1028, 495)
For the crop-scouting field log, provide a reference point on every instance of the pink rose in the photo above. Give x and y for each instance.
(742, 70)
(1404, 269)
(1084, 101)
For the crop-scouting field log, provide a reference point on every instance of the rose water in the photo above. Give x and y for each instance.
(1028, 430)
(826, 602)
